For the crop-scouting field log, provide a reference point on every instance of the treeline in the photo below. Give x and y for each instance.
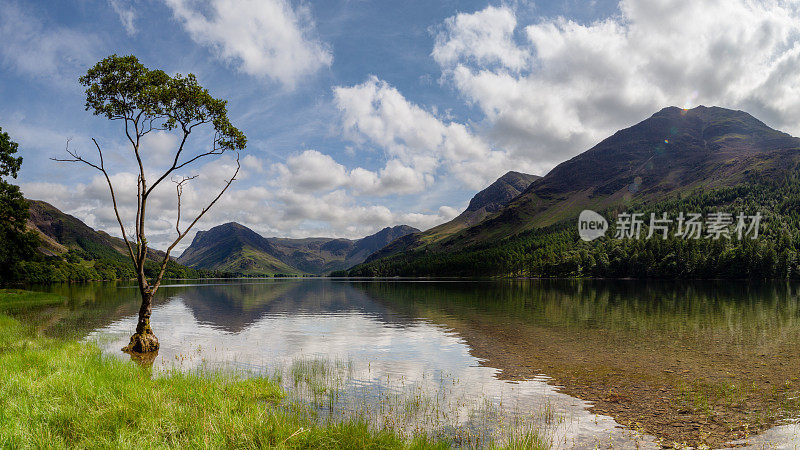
(72, 267)
(557, 251)
(94, 262)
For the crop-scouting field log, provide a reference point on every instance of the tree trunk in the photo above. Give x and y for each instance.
(144, 341)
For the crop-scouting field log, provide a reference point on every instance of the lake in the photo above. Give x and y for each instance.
(620, 364)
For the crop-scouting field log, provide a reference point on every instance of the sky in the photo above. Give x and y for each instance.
(365, 114)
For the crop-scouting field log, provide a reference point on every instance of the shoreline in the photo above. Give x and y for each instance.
(64, 394)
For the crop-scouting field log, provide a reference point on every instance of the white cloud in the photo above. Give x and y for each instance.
(126, 13)
(312, 171)
(292, 210)
(31, 47)
(266, 39)
(160, 145)
(579, 83)
(418, 143)
(485, 37)
(253, 164)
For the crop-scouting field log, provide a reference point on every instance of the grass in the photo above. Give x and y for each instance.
(65, 394)
(432, 405)
(13, 300)
(60, 393)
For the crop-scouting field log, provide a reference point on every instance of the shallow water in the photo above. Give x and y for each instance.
(458, 359)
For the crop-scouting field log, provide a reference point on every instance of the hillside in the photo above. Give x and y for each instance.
(60, 232)
(674, 150)
(73, 251)
(703, 159)
(235, 248)
(494, 198)
(488, 201)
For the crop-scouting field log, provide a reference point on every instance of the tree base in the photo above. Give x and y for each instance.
(144, 360)
(145, 342)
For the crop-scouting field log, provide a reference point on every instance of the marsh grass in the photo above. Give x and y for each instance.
(60, 393)
(331, 391)
(66, 394)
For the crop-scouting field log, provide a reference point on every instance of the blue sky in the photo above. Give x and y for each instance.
(365, 114)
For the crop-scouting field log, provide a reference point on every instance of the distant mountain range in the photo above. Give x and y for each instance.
(234, 248)
(704, 158)
(230, 248)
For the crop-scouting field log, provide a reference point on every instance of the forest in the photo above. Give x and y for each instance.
(557, 251)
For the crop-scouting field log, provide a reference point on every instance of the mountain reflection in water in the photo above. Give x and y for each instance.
(474, 355)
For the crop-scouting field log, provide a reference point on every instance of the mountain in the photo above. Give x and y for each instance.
(70, 250)
(235, 248)
(323, 255)
(495, 197)
(699, 158)
(60, 232)
(675, 150)
(490, 200)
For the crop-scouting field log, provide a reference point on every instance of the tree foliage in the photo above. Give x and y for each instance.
(16, 242)
(120, 88)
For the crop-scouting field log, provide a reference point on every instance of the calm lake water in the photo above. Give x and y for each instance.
(471, 361)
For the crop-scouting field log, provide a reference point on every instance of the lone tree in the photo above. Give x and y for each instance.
(121, 88)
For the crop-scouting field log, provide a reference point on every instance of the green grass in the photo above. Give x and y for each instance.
(13, 300)
(65, 394)
(58, 393)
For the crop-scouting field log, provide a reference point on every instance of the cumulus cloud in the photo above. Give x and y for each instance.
(342, 212)
(417, 142)
(564, 85)
(485, 37)
(266, 38)
(292, 209)
(312, 171)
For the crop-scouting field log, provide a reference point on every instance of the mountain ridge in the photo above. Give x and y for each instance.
(232, 247)
(673, 153)
(484, 203)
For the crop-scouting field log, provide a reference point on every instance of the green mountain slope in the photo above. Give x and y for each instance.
(73, 251)
(486, 202)
(61, 232)
(235, 248)
(703, 159)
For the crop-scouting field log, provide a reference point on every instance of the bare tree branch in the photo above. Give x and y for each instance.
(182, 234)
(101, 167)
(174, 166)
(179, 188)
(215, 150)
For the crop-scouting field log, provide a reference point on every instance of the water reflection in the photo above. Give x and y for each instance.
(696, 359)
(402, 370)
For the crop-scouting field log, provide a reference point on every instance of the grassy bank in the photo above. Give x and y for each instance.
(65, 394)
